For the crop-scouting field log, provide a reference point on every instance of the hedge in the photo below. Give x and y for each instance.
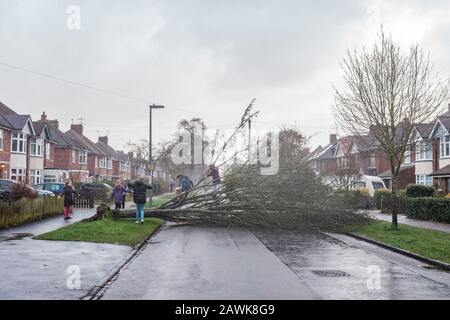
(434, 209)
(379, 195)
(356, 199)
(419, 191)
(26, 210)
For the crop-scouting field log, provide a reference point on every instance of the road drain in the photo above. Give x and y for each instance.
(331, 273)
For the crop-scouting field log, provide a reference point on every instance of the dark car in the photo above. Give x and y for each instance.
(6, 189)
(100, 191)
(6, 186)
(56, 188)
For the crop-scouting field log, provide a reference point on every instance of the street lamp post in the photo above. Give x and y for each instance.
(150, 158)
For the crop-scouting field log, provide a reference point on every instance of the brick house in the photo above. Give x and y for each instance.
(440, 137)
(17, 132)
(99, 164)
(40, 153)
(121, 168)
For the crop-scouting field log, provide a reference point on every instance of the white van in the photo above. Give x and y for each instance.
(371, 183)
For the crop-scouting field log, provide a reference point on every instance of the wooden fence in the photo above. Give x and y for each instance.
(26, 210)
(84, 200)
(387, 204)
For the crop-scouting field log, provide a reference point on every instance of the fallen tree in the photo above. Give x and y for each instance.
(294, 197)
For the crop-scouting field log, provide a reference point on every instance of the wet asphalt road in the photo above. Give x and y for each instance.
(212, 263)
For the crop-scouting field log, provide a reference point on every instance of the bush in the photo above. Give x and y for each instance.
(356, 199)
(419, 191)
(434, 209)
(21, 190)
(379, 195)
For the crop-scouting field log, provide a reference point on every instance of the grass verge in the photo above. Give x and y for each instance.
(425, 242)
(160, 200)
(124, 231)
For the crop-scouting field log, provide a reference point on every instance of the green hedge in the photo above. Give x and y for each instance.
(355, 199)
(26, 210)
(434, 209)
(419, 191)
(379, 195)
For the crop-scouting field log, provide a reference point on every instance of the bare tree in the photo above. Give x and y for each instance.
(344, 178)
(387, 91)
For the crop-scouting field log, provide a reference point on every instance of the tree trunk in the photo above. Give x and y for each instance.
(394, 201)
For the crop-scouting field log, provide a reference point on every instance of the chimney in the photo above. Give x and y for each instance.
(130, 155)
(333, 138)
(43, 117)
(103, 139)
(54, 123)
(77, 128)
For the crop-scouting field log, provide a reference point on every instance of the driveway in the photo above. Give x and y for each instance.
(214, 263)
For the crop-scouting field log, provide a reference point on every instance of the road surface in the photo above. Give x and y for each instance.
(215, 263)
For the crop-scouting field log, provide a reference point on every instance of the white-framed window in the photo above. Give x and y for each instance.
(96, 162)
(37, 147)
(19, 142)
(50, 179)
(424, 151)
(82, 157)
(372, 162)
(124, 166)
(47, 151)
(424, 180)
(103, 162)
(109, 163)
(1, 139)
(407, 156)
(18, 174)
(74, 156)
(35, 177)
(445, 146)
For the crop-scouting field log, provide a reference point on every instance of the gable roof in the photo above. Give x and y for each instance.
(18, 122)
(57, 136)
(327, 152)
(5, 110)
(82, 142)
(424, 129)
(108, 150)
(122, 156)
(40, 128)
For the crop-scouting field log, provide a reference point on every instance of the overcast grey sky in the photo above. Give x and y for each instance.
(203, 58)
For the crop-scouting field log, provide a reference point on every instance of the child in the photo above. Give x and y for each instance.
(118, 194)
(69, 191)
(140, 198)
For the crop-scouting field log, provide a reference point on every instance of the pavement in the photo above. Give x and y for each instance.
(402, 219)
(33, 269)
(196, 263)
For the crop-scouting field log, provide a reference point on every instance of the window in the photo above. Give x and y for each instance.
(102, 163)
(424, 180)
(372, 161)
(37, 147)
(35, 177)
(18, 174)
(445, 146)
(424, 151)
(82, 157)
(377, 185)
(19, 142)
(407, 156)
(50, 178)
(109, 163)
(73, 156)
(47, 151)
(1, 139)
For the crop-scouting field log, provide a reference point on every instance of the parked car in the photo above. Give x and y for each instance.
(56, 188)
(100, 191)
(371, 183)
(6, 186)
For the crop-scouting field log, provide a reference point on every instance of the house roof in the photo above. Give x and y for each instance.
(404, 167)
(17, 122)
(5, 110)
(57, 136)
(108, 150)
(345, 145)
(445, 171)
(424, 129)
(83, 143)
(122, 156)
(327, 152)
